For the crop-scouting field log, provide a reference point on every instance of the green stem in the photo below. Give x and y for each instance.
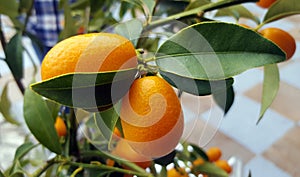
(131, 165)
(42, 169)
(198, 10)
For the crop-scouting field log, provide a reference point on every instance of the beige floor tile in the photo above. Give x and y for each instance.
(213, 137)
(285, 152)
(286, 103)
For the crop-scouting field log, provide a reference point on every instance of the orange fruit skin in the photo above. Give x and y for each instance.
(60, 127)
(124, 150)
(265, 3)
(173, 172)
(151, 117)
(224, 165)
(214, 154)
(282, 38)
(198, 161)
(91, 52)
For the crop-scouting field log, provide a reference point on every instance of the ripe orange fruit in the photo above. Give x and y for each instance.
(282, 38)
(265, 3)
(151, 117)
(91, 52)
(224, 165)
(60, 127)
(180, 172)
(124, 150)
(198, 161)
(214, 154)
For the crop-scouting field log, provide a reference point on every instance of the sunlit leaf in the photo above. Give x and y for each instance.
(87, 90)
(40, 122)
(224, 99)
(5, 105)
(237, 11)
(196, 86)
(131, 29)
(270, 88)
(14, 55)
(281, 9)
(216, 51)
(210, 169)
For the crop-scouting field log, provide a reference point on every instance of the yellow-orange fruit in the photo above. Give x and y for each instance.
(265, 3)
(151, 117)
(91, 52)
(282, 38)
(60, 127)
(214, 154)
(224, 165)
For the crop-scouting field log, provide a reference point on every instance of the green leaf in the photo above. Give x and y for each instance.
(23, 150)
(147, 6)
(281, 9)
(9, 8)
(25, 5)
(237, 11)
(1, 174)
(196, 86)
(131, 29)
(106, 121)
(224, 99)
(270, 88)
(5, 105)
(69, 26)
(198, 3)
(87, 90)
(40, 122)
(16, 170)
(216, 51)
(200, 152)
(14, 55)
(210, 169)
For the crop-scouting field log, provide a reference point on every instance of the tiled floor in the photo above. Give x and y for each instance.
(269, 149)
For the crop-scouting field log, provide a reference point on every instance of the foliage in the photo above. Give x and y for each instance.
(161, 32)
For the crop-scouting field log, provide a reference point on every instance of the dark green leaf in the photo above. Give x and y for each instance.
(106, 121)
(39, 121)
(216, 51)
(237, 11)
(210, 169)
(200, 152)
(281, 9)
(1, 174)
(23, 150)
(224, 99)
(5, 105)
(131, 29)
(270, 88)
(14, 55)
(195, 86)
(87, 90)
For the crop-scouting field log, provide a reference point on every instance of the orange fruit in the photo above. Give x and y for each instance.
(214, 154)
(124, 150)
(60, 127)
(198, 161)
(265, 3)
(224, 165)
(91, 52)
(282, 38)
(180, 172)
(151, 117)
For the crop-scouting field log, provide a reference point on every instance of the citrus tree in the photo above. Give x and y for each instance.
(107, 104)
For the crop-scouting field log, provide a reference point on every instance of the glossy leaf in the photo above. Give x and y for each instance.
(131, 29)
(224, 99)
(210, 169)
(196, 86)
(87, 90)
(14, 56)
(106, 121)
(40, 122)
(237, 11)
(216, 51)
(23, 150)
(270, 88)
(281, 9)
(5, 105)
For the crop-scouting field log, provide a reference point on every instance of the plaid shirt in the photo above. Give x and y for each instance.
(46, 21)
